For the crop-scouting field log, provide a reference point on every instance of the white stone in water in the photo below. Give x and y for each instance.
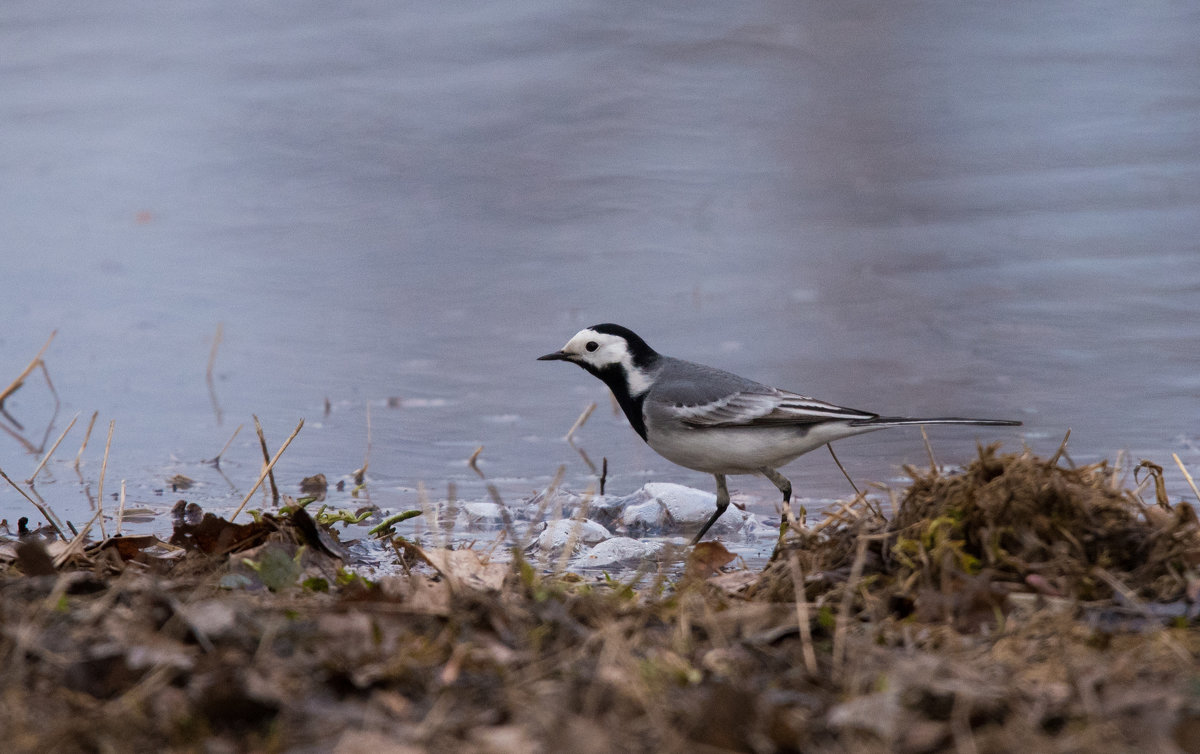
(601, 507)
(675, 507)
(560, 499)
(557, 533)
(618, 551)
(481, 513)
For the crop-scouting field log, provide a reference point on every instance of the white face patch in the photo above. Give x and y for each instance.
(637, 380)
(602, 350)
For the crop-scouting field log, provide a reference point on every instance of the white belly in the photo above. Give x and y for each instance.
(745, 450)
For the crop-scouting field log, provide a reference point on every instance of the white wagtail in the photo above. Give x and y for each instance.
(710, 420)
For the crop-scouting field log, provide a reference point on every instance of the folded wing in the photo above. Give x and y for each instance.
(769, 407)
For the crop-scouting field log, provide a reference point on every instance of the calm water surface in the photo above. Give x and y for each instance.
(914, 208)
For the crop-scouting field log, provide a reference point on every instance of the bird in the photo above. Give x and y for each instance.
(710, 420)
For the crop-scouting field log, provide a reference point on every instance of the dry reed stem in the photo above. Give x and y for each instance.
(842, 468)
(1136, 602)
(793, 524)
(541, 510)
(838, 514)
(360, 475)
(86, 436)
(472, 461)
(508, 531)
(267, 470)
(928, 449)
(428, 514)
(1126, 593)
(1062, 448)
(451, 502)
(570, 438)
(16, 435)
(580, 517)
(41, 508)
(1114, 476)
(50, 384)
(120, 510)
(103, 471)
(843, 618)
(586, 461)
(50, 452)
(216, 461)
(262, 441)
(208, 373)
(1191, 482)
(865, 499)
(76, 544)
(583, 417)
(15, 385)
(806, 642)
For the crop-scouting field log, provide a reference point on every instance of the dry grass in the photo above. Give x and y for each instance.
(1013, 606)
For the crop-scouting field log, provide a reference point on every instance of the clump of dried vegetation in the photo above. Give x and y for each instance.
(1019, 604)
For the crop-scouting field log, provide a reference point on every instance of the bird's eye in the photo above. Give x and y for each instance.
(592, 346)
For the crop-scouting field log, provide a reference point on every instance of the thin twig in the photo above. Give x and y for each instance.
(1191, 482)
(865, 500)
(14, 434)
(838, 514)
(1131, 598)
(929, 450)
(842, 468)
(76, 544)
(267, 470)
(508, 531)
(587, 412)
(262, 440)
(580, 518)
(50, 452)
(217, 460)
(53, 392)
(360, 475)
(120, 510)
(471, 462)
(16, 384)
(41, 508)
(806, 643)
(451, 505)
(547, 495)
(1114, 477)
(430, 517)
(587, 461)
(86, 436)
(1062, 448)
(103, 471)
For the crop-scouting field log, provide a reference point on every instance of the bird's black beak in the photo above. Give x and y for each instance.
(556, 356)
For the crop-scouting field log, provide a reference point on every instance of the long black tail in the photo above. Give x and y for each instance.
(898, 421)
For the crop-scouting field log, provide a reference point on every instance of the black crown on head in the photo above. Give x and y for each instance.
(643, 355)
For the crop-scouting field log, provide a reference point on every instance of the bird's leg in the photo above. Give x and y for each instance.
(780, 481)
(722, 504)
